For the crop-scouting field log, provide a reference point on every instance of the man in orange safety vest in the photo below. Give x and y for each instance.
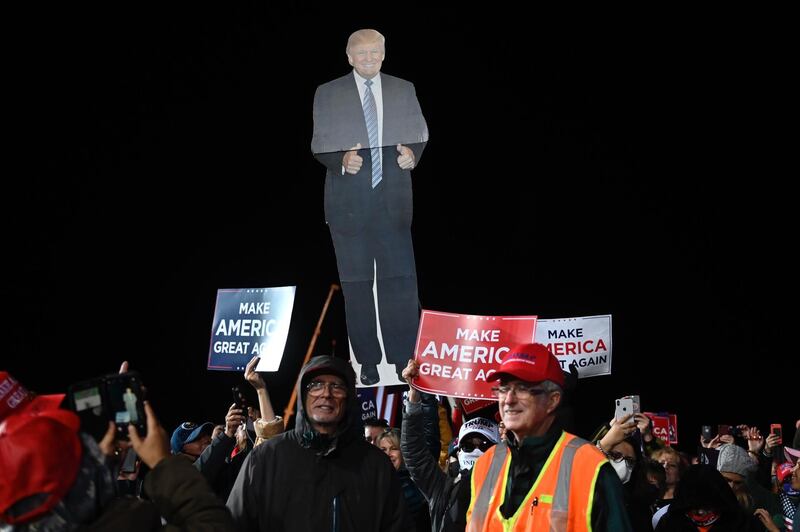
(542, 478)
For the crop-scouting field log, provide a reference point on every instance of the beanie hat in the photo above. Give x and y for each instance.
(734, 459)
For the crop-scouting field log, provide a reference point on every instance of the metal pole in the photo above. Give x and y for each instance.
(290, 407)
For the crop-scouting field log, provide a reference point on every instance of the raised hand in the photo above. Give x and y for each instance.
(252, 376)
(410, 372)
(644, 425)
(755, 441)
(773, 440)
(233, 419)
(619, 429)
(155, 446)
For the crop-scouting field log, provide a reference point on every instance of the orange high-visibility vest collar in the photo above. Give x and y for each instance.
(560, 499)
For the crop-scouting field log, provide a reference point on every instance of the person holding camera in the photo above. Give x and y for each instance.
(45, 490)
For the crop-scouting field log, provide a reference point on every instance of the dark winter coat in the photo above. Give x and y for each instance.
(303, 480)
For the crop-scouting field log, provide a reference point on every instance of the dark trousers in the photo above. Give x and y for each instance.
(383, 245)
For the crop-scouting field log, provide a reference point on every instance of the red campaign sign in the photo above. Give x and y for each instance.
(457, 352)
(665, 426)
(473, 405)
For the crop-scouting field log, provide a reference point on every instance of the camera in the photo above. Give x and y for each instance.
(118, 397)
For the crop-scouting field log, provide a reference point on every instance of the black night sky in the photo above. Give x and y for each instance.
(575, 167)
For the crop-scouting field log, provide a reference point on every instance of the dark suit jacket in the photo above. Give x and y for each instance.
(339, 125)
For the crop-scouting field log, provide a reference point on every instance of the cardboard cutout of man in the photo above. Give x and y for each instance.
(369, 133)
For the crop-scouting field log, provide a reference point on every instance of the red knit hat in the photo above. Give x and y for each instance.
(530, 363)
(40, 452)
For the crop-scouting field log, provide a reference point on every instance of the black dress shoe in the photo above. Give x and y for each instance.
(369, 374)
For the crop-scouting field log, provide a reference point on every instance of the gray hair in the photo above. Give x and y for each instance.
(366, 35)
(550, 386)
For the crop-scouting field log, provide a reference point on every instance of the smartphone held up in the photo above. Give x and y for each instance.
(775, 428)
(118, 397)
(626, 405)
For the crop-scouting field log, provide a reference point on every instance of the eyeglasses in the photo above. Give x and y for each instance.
(468, 446)
(316, 388)
(522, 391)
(618, 457)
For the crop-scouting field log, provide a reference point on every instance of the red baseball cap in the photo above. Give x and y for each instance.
(40, 452)
(15, 398)
(530, 363)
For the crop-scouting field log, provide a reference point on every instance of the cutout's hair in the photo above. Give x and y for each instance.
(366, 35)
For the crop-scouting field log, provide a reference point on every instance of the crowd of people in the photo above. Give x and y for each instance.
(512, 466)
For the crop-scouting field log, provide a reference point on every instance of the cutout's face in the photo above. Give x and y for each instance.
(366, 58)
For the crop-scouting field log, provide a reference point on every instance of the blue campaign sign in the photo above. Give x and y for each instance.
(250, 322)
(368, 400)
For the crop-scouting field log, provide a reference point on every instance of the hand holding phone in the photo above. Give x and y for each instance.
(117, 397)
(239, 399)
(775, 428)
(626, 405)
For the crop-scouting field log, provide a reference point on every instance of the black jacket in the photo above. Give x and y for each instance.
(216, 464)
(448, 498)
(302, 480)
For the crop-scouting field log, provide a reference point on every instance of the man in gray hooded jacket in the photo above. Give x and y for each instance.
(322, 475)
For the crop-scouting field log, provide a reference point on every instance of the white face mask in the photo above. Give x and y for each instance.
(467, 460)
(622, 469)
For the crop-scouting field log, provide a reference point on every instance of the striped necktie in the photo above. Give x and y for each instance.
(371, 119)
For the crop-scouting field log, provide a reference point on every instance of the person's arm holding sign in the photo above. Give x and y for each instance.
(269, 424)
(422, 466)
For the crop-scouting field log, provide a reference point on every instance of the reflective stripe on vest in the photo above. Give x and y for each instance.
(561, 497)
(482, 504)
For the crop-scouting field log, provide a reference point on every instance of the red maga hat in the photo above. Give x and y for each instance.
(530, 363)
(40, 452)
(15, 398)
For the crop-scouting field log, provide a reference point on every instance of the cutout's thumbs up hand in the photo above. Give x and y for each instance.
(406, 158)
(352, 161)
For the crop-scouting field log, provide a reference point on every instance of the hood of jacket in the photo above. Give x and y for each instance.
(350, 425)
